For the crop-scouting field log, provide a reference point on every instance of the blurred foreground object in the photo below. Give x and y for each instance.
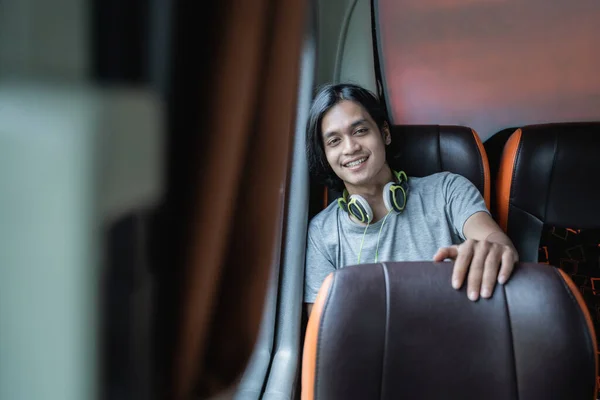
(74, 161)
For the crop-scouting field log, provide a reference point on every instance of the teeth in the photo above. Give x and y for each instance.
(355, 163)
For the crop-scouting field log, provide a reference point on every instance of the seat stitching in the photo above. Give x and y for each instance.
(512, 342)
(319, 341)
(513, 178)
(386, 331)
(480, 163)
(550, 177)
(590, 345)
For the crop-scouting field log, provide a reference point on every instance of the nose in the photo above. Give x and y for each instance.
(351, 145)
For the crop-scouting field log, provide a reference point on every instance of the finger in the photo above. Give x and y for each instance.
(445, 252)
(490, 271)
(508, 264)
(461, 265)
(476, 269)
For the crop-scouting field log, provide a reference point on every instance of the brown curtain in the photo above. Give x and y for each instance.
(242, 164)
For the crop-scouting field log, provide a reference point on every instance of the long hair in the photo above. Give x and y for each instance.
(327, 97)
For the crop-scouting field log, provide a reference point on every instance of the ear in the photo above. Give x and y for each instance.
(387, 136)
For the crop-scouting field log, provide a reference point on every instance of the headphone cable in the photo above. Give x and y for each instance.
(379, 235)
(362, 242)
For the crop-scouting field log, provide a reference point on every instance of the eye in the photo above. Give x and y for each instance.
(361, 131)
(333, 141)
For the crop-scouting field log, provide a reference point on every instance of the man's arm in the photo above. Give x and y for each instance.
(318, 265)
(486, 256)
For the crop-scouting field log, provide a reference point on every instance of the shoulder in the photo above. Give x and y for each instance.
(325, 218)
(429, 183)
(442, 186)
(443, 176)
(440, 180)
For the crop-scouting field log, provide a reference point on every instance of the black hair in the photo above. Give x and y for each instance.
(327, 97)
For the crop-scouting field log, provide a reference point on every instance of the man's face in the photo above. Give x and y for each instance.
(354, 145)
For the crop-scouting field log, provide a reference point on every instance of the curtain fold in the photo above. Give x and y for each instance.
(242, 167)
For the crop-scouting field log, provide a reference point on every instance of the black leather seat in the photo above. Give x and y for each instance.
(422, 150)
(548, 189)
(549, 176)
(399, 330)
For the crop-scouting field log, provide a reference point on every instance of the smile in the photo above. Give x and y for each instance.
(355, 163)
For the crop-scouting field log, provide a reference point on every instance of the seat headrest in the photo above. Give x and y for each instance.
(395, 330)
(551, 172)
(422, 150)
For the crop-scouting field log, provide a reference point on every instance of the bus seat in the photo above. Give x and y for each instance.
(548, 190)
(422, 150)
(399, 330)
(549, 176)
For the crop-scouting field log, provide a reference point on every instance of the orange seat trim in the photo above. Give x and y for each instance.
(588, 320)
(309, 355)
(505, 177)
(486, 170)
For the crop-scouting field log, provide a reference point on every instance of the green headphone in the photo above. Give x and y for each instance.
(395, 195)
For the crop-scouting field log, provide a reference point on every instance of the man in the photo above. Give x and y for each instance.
(443, 215)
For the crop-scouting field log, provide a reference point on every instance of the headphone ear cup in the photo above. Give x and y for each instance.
(343, 201)
(396, 196)
(401, 177)
(388, 196)
(343, 204)
(360, 209)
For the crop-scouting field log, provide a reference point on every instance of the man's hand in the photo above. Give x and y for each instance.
(484, 261)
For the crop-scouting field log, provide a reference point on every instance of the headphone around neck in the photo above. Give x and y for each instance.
(395, 195)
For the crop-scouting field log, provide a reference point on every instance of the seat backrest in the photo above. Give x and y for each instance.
(422, 150)
(549, 176)
(399, 330)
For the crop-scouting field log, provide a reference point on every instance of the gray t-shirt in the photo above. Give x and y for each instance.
(437, 208)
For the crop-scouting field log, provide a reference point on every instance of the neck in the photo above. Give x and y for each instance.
(373, 192)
